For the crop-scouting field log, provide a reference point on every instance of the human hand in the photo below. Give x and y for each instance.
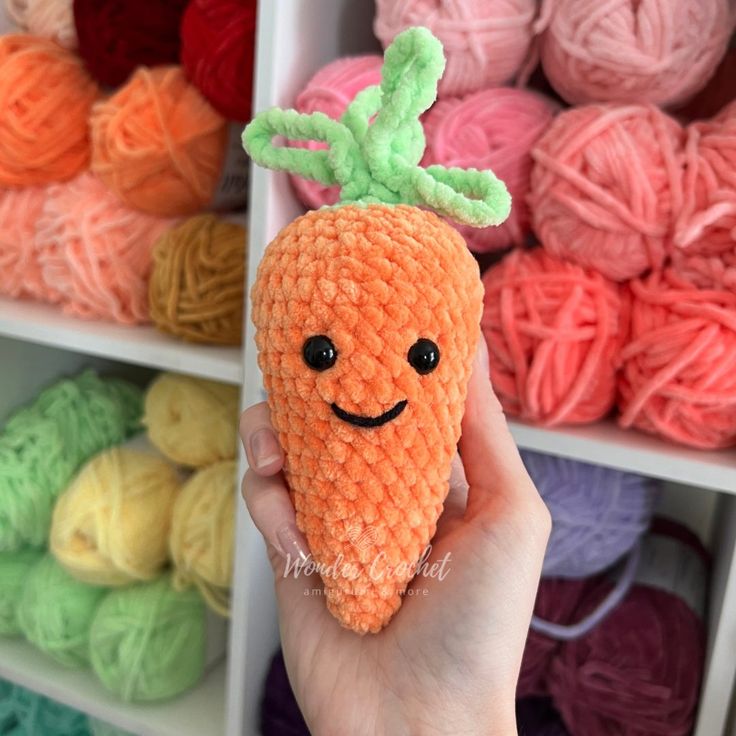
(449, 660)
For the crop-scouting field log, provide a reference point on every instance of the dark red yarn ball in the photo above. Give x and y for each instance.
(116, 36)
(217, 53)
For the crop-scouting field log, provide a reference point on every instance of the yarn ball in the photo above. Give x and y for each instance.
(33, 715)
(111, 526)
(55, 613)
(633, 50)
(147, 641)
(14, 568)
(280, 714)
(20, 271)
(116, 36)
(598, 514)
(217, 53)
(553, 331)
(202, 539)
(604, 185)
(330, 91)
(45, 102)
(198, 280)
(719, 92)
(158, 144)
(715, 270)
(52, 19)
(95, 253)
(676, 376)
(192, 421)
(44, 444)
(494, 129)
(485, 43)
(537, 717)
(8, 720)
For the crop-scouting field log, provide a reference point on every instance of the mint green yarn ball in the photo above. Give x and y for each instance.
(44, 444)
(56, 612)
(148, 641)
(14, 569)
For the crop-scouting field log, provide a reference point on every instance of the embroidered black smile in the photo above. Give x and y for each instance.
(360, 421)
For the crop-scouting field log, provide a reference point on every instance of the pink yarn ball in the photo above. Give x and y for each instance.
(20, 273)
(493, 129)
(330, 91)
(656, 51)
(553, 331)
(486, 43)
(707, 271)
(604, 185)
(678, 370)
(96, 251)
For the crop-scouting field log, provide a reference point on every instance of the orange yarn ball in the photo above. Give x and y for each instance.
(158, 144)
(45, 101)
(553, 331)
(678, 374)
(604, 185)
(96, 251)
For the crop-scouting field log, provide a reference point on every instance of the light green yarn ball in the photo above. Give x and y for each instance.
(14, 569)
(148, 641)
(44, 444)
(56, 612)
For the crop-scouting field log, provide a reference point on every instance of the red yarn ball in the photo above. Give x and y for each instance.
(217, 53)
(678, 370)
(553, 331)
(116, 36)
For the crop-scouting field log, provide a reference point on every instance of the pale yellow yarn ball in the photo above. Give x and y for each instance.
(111, 526)
(203, 534)
(192, 421)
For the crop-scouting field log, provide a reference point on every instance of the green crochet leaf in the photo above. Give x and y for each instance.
(373, 151)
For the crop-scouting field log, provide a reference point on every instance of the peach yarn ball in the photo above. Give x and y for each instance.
(645, 51)
(604, 185)
(330, 91)
(158, 144)
(52, 19)
(494, 129)
(45, 101)
(553, 331)
(486, 43)
(96, 252)
(678, 374)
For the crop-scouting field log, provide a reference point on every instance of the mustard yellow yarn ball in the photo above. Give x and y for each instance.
(192, 421)
(203, 531)
(111, 526)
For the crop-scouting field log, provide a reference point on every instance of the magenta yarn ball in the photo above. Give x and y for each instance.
(657, 51)
(494, 129)
(330, 91)
(486, 43)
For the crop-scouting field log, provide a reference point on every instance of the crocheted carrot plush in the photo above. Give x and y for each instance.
(366, 318)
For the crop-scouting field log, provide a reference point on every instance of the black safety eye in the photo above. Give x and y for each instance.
(319, 353)
(424, 356)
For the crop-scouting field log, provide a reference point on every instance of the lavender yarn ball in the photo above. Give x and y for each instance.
(280, 714)
(537, 717)
(598, 514)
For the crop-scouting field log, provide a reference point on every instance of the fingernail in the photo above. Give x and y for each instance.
(292, 542)
(264, 448)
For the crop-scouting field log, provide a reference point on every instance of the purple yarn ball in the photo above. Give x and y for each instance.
(280, 714)
(537, 717)
(598, 514)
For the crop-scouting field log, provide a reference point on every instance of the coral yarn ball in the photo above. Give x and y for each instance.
(494, 129)
(485, 43)
(116, 36)
(553, 331)
(644, 51)
(158, 144)
(330, 91)
(45, 101)
(716, 270)
(52, 19)
(95, 253)
(217, 53)
(677, 378)
(604, 185)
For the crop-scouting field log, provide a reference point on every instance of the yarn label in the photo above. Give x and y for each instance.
(232, 189)
(671, 565)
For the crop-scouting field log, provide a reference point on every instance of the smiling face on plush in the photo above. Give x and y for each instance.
(384, 302)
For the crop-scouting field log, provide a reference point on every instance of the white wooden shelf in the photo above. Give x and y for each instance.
(46, 325)
(607, 444)
(196, 713)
